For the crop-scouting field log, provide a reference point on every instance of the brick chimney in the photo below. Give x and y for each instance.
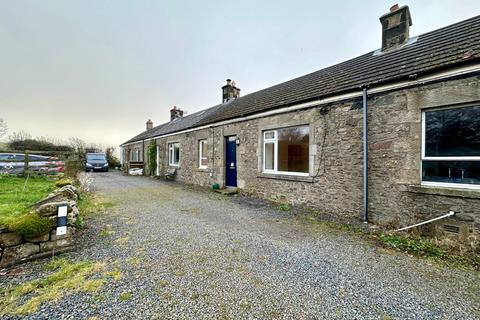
(230, 91)
(149, 124)
(395, 27)
(175, 113)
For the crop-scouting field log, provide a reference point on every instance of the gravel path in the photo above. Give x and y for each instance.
(190, 254)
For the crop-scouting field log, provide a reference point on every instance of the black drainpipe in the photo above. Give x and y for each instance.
(365, 156)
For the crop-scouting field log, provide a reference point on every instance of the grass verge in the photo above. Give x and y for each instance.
(66, 277)
(90, 204)
(428, 248)
(17, 195)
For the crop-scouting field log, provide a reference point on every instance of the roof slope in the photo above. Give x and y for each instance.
(440, 49)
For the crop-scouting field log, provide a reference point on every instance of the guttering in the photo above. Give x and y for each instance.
(365, 155)
(372, 90)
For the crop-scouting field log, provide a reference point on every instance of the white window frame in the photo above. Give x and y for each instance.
(171, 154)
(274, 140)
(200, 152)
(424, 157)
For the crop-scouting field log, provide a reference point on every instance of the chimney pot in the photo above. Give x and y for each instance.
(394, 7)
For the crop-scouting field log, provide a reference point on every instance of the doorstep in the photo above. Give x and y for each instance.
(228, 190)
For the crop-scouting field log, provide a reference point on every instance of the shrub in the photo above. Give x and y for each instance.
(74, 164)
(152, 157)
(112, 159)
(31, 225)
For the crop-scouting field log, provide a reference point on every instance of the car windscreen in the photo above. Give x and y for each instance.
(96, 157)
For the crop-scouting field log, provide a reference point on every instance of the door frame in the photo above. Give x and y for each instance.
(227, 141)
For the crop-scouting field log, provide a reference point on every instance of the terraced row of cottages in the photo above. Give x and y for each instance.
(392, 136)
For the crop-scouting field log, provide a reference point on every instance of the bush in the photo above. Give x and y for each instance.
(74, 164)
(37, 145)
(152, 157)
(112, 159)
(31, 225)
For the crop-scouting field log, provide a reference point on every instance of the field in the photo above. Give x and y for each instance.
(17, 195)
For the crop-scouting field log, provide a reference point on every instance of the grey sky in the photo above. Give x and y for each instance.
(99, 69)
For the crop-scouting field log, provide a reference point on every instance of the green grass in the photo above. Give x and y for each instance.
(64, 277)
(17, 195)
(284, 207)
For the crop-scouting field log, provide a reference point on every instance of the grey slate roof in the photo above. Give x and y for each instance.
(433, 51)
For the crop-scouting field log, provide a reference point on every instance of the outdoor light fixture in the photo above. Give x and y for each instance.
(237, 142)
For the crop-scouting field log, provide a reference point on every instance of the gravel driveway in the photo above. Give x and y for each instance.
(185, 253)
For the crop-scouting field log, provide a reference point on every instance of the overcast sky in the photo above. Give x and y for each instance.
(99, 69)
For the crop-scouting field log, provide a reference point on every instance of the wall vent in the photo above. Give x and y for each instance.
(451, 229)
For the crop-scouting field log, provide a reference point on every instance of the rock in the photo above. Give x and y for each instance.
(54, 237)
(13, 254)
(9, 239)
(41, 238)
(57, 244)
(66, 193)
(51, 208)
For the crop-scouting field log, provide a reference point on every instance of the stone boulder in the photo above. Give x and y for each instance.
(51, 208)
(69, 234)
(9, 239)
(66, 193)
(12, 255)
(56, 244)
(41, 238)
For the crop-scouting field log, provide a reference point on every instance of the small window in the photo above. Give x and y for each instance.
(286, 150)
(202, 154)
(174, 154)
(451, 146)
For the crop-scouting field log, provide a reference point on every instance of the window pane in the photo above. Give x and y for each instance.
(204, 149)
(269, 156)
(466, 172)
(453, 132)
(177, 153)
(293, 145)
(270, 135)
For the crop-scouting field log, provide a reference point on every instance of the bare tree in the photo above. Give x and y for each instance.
(19, 136)
(3, 128)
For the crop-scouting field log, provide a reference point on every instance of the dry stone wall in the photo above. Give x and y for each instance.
(15, 248)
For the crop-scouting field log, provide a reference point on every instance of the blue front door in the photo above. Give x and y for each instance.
(231, 162)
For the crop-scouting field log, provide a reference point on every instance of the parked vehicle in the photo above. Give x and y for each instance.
(14, 163)
(96, 162)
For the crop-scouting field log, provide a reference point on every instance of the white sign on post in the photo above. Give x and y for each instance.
(62, 220)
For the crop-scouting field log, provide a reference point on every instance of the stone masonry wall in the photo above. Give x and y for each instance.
(335, 182)
(15, 249)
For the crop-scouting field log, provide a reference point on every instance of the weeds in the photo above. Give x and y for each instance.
(124, 296)
(284, 207)
(67, 277)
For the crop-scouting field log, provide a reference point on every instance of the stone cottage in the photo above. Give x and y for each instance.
(392, 136)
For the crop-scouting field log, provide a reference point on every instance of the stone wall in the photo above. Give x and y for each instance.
(15, 249)
(334, 184)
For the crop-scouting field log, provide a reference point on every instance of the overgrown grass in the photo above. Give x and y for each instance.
(426, 247)
(31, 225)
(17, 195)
(67, 277)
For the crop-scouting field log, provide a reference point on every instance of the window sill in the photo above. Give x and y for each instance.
(202, 169)
(445, 191)
(286, 177)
